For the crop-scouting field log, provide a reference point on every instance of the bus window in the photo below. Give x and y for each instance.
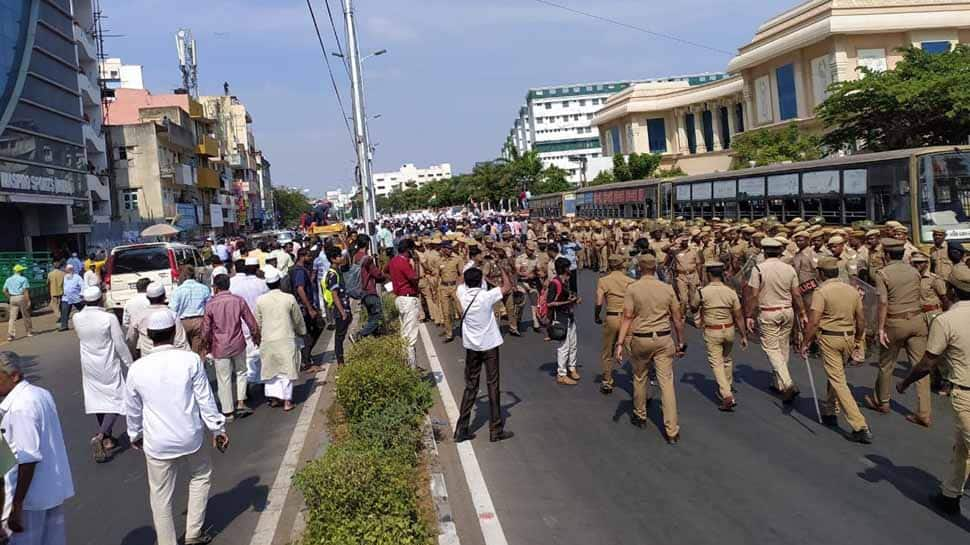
(854, 189)
(822, 195)
(888, 192)
(665, 195)
(944, 188)
(784, 197)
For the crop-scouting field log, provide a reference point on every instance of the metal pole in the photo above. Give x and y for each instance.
(365, 180)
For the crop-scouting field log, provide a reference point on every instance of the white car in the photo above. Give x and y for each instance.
(157, 261)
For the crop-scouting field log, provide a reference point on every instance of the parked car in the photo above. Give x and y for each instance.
(282, 237)
(157, 261)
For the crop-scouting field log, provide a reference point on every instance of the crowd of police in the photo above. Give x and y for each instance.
(802, 287)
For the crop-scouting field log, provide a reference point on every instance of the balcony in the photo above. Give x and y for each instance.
(208, 178)
(208, 147)
(87, 49)
(89, 93)
(196, 111)
(98, 185)
(93, 139)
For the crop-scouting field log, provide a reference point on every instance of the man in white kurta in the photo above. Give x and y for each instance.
(281, 325)
(103, 350)
(137, 334)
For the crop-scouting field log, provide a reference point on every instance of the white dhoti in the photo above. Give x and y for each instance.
(252, 361)
(279, 387)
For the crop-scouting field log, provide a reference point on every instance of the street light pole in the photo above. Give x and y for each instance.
(365, 180)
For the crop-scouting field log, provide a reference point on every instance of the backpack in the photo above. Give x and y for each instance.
(542, 307)
(353, 280)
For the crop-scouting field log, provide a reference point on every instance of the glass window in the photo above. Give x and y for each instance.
(50, 96)
(657, 135)
(691, 133)
(138, 260)
(751, 187)
(42, 121)
(55, 44)
(13, 31)
(701, 191)
(873, 59)
(783, 185)
(707, 118)
(935, 48)
(683, 192)
(725, 190)
(739, 121)
(888, 192)
(723, 117)
(821, 182)
(944, 186)
(787, 101)
(615, 140)
(548, 105)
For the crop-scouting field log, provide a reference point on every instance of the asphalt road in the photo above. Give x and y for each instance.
(111, 501)
(577, 472)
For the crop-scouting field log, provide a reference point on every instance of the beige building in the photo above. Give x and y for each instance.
(780, 77)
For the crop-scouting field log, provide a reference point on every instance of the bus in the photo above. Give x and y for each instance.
(934, 182)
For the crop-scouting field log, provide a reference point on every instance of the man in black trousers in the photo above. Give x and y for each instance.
(481, 338)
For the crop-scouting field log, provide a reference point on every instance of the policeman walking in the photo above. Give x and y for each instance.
(719, 309)
(449, 271)
(610, 291)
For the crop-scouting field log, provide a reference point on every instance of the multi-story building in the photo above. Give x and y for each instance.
(265, 185)
(557, 123)
(118, 75)
(238, 146)
(409, 176)
(45, 203)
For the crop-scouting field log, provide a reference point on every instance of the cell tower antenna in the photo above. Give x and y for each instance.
(188, 61)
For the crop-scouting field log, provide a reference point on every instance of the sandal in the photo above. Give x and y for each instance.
(97, 445)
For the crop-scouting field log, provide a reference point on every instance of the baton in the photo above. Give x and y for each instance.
(811, 380)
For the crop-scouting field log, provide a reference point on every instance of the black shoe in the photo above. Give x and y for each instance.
(449, 339)
(673, 440)
(830, 420)
(945, 504)
(243, 412)
(536, 330)
(863, 436)
(789, 396)
(515, 333)
(501, 436)
(463, 436)
(201, 540)
(638, 422)
(606, 389)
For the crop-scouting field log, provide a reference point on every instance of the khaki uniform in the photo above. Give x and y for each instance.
(877, 260)
(525, 269)
(950, 337)
(838, 303)
(717, 304)
(612, 288)
(651, 302)
(777, 282)
(55, 286)
(449, 273)
(940, 262)
(542, 266)
(898, 285)
(688, 280)
(582, 256)
(932, 291)
(428, 283)
(602, 251)
(804, 264)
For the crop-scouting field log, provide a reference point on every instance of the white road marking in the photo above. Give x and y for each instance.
(269, 519)
(487, 517)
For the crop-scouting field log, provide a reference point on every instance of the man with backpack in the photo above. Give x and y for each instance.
(361, 281)
(337, 300)
(561, 302)
(301, 284)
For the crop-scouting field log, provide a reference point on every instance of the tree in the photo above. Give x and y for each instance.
(621, 170)
(924, 101)
(672, 172)
(290, 204)
(643, 165)
(603, 178)
(552, 180)
(768, 146)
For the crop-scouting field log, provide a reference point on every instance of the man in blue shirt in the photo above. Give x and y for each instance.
(78, 264)
(188, 303)
(17, 290)
(73, 285)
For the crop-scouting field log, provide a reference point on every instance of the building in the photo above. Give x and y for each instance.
(265, 186)
(780, 77)
(557, 123)
(117, 75)
(409, 176)
(233, 126)
(45, 203)
(95, 145)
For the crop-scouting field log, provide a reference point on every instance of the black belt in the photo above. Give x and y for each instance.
(652, 334)
(614, 313)
(961, 387)
(838, 333)
(449, 283)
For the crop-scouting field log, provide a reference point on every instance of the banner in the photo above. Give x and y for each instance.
(215, 211)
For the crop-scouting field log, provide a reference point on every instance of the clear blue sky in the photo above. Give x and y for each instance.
(449, 88)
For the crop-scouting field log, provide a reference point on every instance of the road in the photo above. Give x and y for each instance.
(111, 501)
(577, 472)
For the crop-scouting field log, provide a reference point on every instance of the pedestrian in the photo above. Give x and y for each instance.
(188, 303)
(370, 275)
(281, 325)
(136, 304)
(169, 405)
(404, 281)
(137, 334)
(562, 302)
(103, 351)
(337, 300)
(55, 286)
(247, 285)
(529, 284)
(301, 285)
(38, 485)
(569, 250)
(933, 301)
(650, 310)
(71, 299)
(719, 310)
(91, 276)
(949, 343)
(481, 338)
(774, 291)
(610, 293)
(837, 318)
(17, 290)
(221, 333)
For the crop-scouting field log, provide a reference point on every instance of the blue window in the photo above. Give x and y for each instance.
(615, 139)
(725, 127)
(707, 118)
(787, 103)
(935, 48)
(657, 135)
(739, 121)
(691, 133)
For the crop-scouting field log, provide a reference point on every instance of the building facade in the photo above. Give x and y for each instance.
(409, 176)
(237, 146)
(118, 75)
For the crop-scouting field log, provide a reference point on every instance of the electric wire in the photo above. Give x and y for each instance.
(336, 37)
(333, 80)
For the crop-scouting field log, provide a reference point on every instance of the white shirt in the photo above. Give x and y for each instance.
(33, 431)
(103, 350)
(137, 332)
(283, 260)
(91, 278)
(248, 287)
(479, 331)
(133, 307)
(168, 403)
(216, 271)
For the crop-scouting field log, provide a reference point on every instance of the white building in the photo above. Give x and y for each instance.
(557, 123)
(118, 75)
(409, 176)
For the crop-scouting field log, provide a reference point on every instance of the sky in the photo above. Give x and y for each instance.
(449, 87)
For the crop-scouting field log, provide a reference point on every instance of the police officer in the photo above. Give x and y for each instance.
(836, 317)
(949, 341)
(601, 247)
(449, 271)
(428, 284)
(940, 254)
(901, 324)
(933, 301)
(774, 291)
(526, 268)
(719, 309)
(650, 308)
(804, 263)
(610, 291)
(688, 262)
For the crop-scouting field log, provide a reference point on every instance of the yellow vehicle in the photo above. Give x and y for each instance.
(327, 230)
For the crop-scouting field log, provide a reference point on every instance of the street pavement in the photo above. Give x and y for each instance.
(577, 472)
(110, 505)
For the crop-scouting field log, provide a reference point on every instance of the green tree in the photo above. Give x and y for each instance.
(552, 180)
(767, 146)
(290, 204)
(621, 170)
(924, 101)
(643, 165)
(603, 178)
(672, 172)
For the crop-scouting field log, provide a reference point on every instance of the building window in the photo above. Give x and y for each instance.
(873, 59)
(935, 48)
(548, 105)
(707, 118)
(691, 133)
(582, 102)
(723, 114)
(739, 117)
(589, 116)
(130, 199)
(122, 153)
(615, 140)
(576, 117)
(657, 135)
(787, 98)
